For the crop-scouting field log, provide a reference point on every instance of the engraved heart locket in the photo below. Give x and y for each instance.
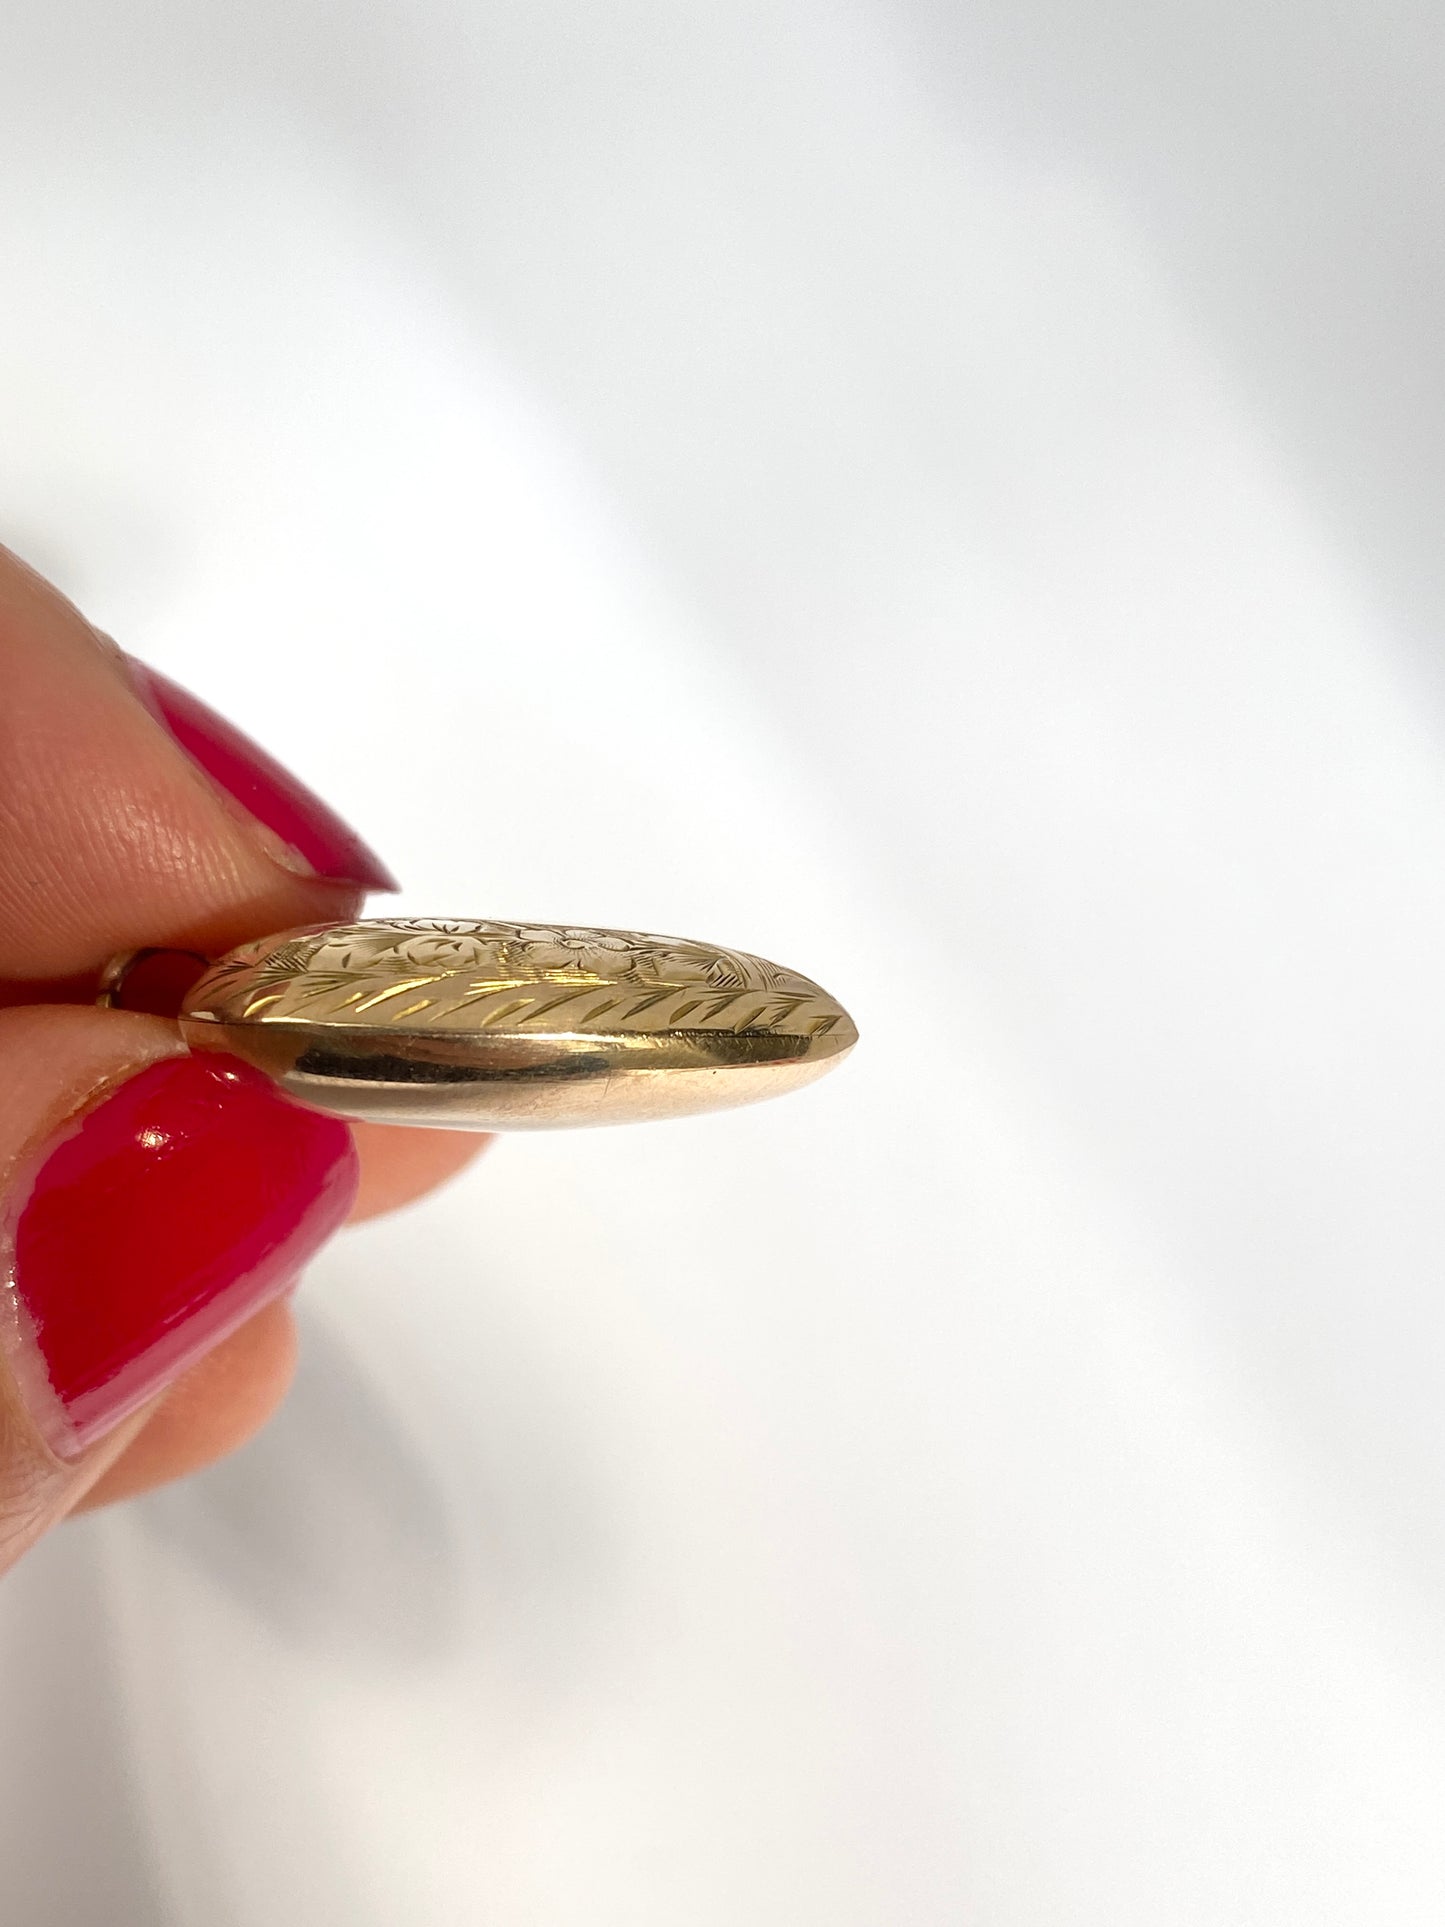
(509, 1026)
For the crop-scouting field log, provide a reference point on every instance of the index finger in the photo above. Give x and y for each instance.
(130, 815)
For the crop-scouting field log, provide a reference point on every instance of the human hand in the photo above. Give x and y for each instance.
(154, 1209)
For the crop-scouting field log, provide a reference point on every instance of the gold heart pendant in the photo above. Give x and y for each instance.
(509, 1026)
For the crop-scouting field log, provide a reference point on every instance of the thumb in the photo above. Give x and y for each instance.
(150, 1203)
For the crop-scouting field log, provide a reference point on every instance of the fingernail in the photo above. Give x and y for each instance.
(154, 1224)
(312, 829)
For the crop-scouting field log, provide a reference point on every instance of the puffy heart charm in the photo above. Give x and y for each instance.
(513, 1026)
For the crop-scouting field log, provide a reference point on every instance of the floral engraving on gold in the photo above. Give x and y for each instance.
(442, 975)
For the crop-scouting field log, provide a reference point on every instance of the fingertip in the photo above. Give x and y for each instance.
(121, 830)
(400, 1164)
(216, 1406)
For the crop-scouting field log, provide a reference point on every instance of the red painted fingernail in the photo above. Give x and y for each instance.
(261, 785)
(153, 1225)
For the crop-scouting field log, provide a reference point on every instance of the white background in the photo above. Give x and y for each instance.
(945, 495)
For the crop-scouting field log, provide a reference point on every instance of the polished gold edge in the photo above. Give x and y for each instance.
(518, 1082)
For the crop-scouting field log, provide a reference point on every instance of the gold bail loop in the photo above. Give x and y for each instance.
(153, 980)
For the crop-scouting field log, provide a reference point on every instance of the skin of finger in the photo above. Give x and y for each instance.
(234, 1390)
(55, 1058)
(110, 837)
(51, 1061)
(36, 1490)
(401, 1164)
(209, 1411)
(229, 1395)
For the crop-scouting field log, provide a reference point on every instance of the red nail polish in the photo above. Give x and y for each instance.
(154, 1225)
(262, 785)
